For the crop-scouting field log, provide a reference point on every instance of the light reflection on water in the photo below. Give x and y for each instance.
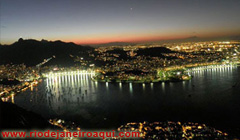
(76, 97)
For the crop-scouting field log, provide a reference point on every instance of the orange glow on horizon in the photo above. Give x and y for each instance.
(123, 39)
(140, 38)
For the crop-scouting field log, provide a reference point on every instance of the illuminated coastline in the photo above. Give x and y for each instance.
(81, 72)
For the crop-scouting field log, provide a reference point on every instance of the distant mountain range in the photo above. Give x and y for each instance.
(31, 52)
(113, 44)
(188, 39)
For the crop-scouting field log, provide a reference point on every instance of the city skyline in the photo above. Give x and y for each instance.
(95, 22)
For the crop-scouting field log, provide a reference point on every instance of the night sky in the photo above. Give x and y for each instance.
(101, 21)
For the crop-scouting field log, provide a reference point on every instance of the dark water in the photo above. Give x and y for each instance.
(211, 97)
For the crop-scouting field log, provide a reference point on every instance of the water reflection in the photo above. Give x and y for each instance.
(151, 86)
(120, 86)
(107, 85)
(58, 90)
(183, 83)
(76, 95)
(143, 85)
(163, 86)
(130, 88)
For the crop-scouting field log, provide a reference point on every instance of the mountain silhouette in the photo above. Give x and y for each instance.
(32, 52)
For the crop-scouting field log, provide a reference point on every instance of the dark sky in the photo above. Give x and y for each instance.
(99, 21)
